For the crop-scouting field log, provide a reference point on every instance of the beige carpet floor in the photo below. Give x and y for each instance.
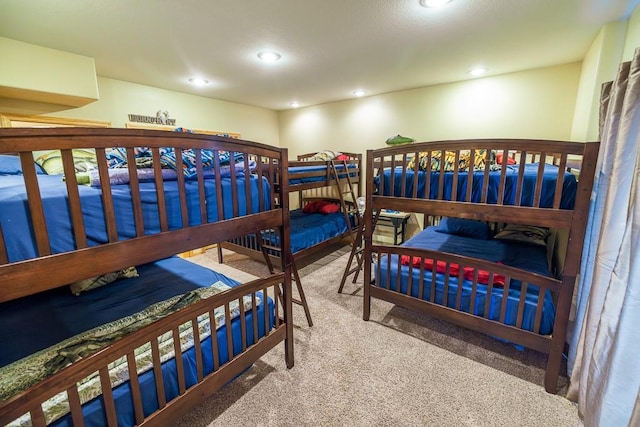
(398, 369)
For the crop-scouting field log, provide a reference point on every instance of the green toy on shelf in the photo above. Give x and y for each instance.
(399, 139)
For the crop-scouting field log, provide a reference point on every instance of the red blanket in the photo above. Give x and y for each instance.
(454, 270)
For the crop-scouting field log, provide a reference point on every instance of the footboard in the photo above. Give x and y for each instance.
(220, 353)
(488, 297)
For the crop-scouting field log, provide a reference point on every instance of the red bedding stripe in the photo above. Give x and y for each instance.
(454, 270)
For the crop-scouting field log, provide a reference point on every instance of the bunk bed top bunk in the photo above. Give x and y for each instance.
(85, 348)
(317, 170)
(487, 258)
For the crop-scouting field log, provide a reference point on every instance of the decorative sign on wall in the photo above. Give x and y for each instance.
(161, 118)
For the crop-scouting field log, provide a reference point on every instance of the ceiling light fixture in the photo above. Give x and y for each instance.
(294, 104)
(434, 3)
(197, 81)
(359, 93)
(269, 56)
(478, 71)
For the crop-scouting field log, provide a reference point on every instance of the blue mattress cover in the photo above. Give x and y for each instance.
(293, 170)
(550, 174)
(527, 257)
(15, 218)
(34, 322)
(309, 229)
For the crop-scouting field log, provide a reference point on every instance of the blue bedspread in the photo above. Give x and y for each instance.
(294, 171)
(550, 175)
(527, 257)
(15, 221)
(309, 229)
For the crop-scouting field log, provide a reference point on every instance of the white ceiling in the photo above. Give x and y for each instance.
(329, 47)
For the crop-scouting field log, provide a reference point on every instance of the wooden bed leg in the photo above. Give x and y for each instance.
(288, 351)
(366, 298)
(563, 307)
(558, 339)
(366, 303)
(552, 373)
(220, 260)
(287, 303)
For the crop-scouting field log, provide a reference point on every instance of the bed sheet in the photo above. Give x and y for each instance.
(295, 170)
(37, 321)
(527, 257)
(550, 174)
(15, 222)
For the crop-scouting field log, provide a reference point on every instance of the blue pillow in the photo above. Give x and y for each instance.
(464, 227)
(10, 165)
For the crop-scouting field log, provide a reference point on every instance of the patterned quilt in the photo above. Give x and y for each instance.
(26, 372)
(480, 160)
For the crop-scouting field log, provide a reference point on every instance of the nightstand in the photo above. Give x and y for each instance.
(396, 219)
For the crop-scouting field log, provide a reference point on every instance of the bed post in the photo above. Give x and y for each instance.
(368, 236)
(572, 265)
(285, 254)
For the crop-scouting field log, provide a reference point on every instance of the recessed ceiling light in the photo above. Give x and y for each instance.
(359, 92)
(478, 71)
(269, 56)
(294, 104)
(434, 3)
(198, 81)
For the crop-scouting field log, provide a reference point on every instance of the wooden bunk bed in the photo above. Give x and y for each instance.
(486, 259)
(107, 356)
(337, 180)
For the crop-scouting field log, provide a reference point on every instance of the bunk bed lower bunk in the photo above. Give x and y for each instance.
(487, 258)
(327, 184)
(100, 322)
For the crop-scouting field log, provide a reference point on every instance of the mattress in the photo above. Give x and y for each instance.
(15, 218)
(309, 229)
(319, 173)
(550, 174)
(527, 257)
(32, 323)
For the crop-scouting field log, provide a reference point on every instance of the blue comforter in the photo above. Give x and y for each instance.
(18, 234)
(550, 174)
(527, 257)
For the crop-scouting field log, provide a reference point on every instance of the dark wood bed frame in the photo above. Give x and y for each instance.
(50, 270)
(325, 187)
(573, 222)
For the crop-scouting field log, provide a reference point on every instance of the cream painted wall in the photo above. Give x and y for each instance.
(599, 65)
(632, 41)
(530, 104)
(118, 99)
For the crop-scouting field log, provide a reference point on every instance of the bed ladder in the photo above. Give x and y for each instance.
(348, 198)
(357, 250)
(265, 248)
